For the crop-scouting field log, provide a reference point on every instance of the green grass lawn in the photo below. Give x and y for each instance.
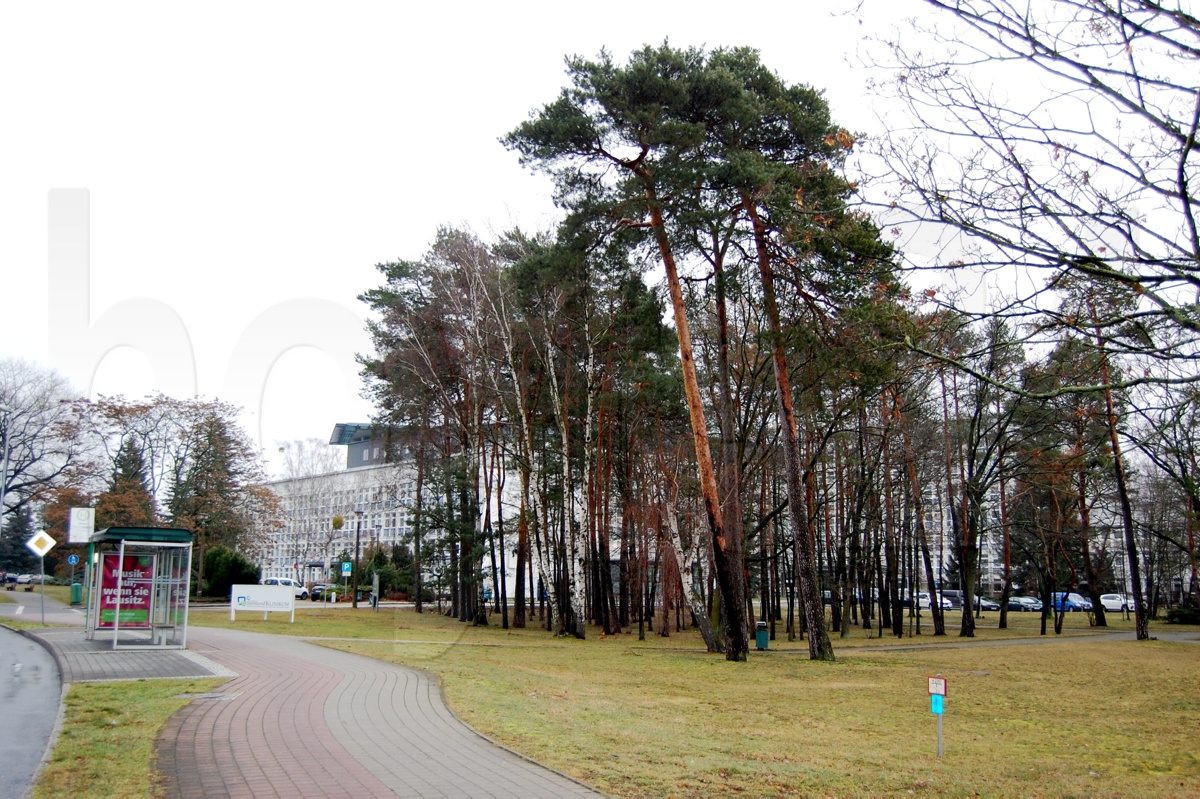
(1085, 715)
(106, 744)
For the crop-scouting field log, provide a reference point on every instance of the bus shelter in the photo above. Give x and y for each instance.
(139, 586)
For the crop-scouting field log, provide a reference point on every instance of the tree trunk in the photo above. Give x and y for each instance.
(684, 561)
(418, 524)
(918, 502)
(730, 475)
(726, 552)
(819, 645)
(1141, 612)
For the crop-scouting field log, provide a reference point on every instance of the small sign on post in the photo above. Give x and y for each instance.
(937, 704)
(39, 544)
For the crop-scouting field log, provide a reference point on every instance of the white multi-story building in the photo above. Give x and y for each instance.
(372, 498)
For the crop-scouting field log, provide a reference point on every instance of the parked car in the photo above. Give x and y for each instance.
(320, 591)
(923, 601)
(1070, 601)
(298, 587)
(24, 579)
(1115, 603)
(1024, 604)
(955, 597)
(984, 603)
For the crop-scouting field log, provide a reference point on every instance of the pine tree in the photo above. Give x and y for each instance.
(215, 492)
(128, 501)
(14, 555)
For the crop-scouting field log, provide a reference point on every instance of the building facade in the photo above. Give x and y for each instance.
(371, 496)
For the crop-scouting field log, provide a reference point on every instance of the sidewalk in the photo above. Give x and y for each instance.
(298, 719)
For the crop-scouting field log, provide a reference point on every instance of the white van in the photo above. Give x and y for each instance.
(301, 591)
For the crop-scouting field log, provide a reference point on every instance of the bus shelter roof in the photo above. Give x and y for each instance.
(149, 535)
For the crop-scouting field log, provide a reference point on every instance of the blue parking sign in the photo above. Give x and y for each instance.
(346, 565)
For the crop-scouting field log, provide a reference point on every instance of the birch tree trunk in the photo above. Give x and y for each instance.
(685, 559)
(574, 621)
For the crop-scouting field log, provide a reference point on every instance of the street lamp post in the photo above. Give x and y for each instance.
(358, 514)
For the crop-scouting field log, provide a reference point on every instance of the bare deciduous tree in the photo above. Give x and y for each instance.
(38, 426)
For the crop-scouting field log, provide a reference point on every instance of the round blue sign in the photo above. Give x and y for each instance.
(73, 559)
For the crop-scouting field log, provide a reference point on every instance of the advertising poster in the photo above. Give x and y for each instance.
(136, 576)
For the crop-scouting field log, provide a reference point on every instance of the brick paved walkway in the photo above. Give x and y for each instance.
(302, 720)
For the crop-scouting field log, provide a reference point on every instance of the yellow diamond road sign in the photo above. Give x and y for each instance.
(41, 543)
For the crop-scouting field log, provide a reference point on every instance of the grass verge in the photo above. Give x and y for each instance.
(106, 745)
(1079, 716)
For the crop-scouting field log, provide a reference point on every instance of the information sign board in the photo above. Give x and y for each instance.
(262, 597)
(937, 685)
(265, 598)
(81, 525)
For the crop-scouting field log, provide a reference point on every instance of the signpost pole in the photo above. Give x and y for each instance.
(937, 704)
(39, 544)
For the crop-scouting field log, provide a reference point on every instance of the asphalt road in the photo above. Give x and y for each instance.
(29, 701)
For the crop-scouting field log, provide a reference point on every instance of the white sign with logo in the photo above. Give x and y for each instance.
(81, 525)
(265, 598)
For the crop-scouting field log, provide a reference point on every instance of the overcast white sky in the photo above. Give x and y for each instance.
(248, 164)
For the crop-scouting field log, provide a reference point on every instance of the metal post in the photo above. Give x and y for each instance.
(89, 576)
(939, 735)
(42, 569)
(354, 579)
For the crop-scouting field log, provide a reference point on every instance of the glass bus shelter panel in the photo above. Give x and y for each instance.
(168, 607)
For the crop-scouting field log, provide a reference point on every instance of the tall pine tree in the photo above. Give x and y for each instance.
(128, 501)
(14, 555)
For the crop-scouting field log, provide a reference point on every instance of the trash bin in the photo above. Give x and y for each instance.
(76, 594)
(761, 635)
